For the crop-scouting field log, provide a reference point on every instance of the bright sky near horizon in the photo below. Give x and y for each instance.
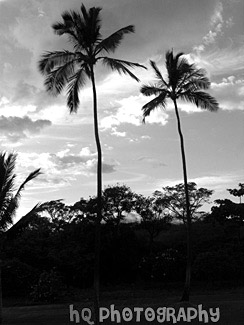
(145, 157)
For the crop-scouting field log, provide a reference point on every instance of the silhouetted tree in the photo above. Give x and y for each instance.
(66, 68)
(62, 214)
(185, 82)
(237, 192)
(117, 201)
(153, 217)
(9, 202)
(230, 213)
(174, 199)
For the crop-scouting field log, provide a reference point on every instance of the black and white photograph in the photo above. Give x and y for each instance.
(121, 162)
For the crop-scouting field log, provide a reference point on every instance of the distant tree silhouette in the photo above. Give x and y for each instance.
(173, 198)
(117, 201)
(237, 192)
(9, 202)
(230, 213)
(66, 68)
(186, 82)
(153, 217)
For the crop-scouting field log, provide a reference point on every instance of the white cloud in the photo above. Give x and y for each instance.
(62, 168)
(230, 93)
(216, 24)
(130, 111)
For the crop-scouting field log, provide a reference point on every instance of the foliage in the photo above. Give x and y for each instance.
(226, 210)
(126, 255)
(184, 81)
(166, 265)
(49, 288)
(173, 199)
(17, 277)
(71, 68)
(117, 201)
(9, 197)
(214, 266)
(154, 219)
(237, 192)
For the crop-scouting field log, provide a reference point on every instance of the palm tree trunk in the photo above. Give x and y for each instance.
(96, 283)
(186, 292)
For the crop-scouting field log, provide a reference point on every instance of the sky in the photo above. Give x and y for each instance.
(147, 156)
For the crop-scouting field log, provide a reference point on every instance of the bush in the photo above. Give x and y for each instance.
(213, 266)
(17, 278)
(49, 288)
(167, 265)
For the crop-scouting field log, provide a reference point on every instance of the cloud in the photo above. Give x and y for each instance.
(15, 128)
(217, 182)
(230, 93)
(129, 110)
(152, 161)
(62, 168)
(216, 24)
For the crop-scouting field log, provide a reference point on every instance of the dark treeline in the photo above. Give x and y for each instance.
(142, 241)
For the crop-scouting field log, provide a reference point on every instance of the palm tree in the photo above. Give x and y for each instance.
(9, 202)
(70, 69)
(185, 82)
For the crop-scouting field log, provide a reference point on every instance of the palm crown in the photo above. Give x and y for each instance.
(9, 198)
(184, 81)
(65, 68)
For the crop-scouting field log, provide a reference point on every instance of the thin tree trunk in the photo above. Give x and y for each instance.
(99, 206)
(186, 292)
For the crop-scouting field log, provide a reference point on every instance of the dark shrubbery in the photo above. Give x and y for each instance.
(17, 277)
(215, 266)
(50, 287)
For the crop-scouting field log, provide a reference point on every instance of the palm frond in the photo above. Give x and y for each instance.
(110, 43)
(61, 28)
(7, 178)
(149, 90)
(154, 103)
(58, 78)
(13, 203)
(50, 60)
(29, 178)
(23, 222)
(121, 66)
(172, 63)
(75, 84)
(194, 84)
(201, 99)
(89, 27)
(158, 73)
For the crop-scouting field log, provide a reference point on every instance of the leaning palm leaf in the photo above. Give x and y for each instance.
(50, 60)
(9, 200)
(110, 43)
(23, 221)
(201, 99)
(29, 178)
(121, 66)
(58, 78)
(154, 103)
(75, 84)
(149, 90)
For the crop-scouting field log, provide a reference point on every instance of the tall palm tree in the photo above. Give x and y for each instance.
(70, 69)
(185, 82)
(9, 202)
